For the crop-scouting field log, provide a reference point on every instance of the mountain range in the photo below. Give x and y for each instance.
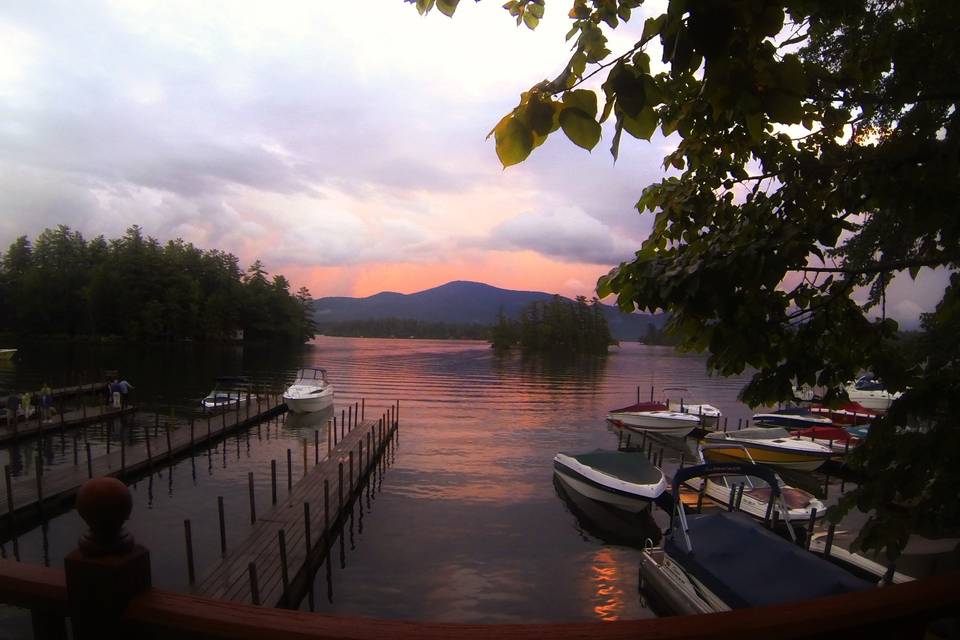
(463, 302)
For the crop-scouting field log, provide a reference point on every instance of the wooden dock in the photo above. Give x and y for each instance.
(63, 420)
(274, 564)
(25, 500)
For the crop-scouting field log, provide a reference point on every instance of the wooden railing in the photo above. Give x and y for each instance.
(105, 591)
(900, 611)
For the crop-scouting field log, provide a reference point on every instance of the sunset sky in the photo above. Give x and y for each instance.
(343, 143)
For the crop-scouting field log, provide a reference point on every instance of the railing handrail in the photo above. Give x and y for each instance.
(44, 589)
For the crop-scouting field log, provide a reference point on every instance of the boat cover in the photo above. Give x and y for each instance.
(746, 565)
(629, 466)
(752, 433)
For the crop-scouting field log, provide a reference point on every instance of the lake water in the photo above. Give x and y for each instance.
(467, 525)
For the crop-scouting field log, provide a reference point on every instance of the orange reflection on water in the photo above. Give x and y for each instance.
(606, 593)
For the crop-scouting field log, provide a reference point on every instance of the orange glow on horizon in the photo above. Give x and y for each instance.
(525, 271)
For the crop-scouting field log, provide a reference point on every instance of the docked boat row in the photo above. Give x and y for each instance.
(310, 392)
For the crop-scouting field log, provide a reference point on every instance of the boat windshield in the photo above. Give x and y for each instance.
(312, 374)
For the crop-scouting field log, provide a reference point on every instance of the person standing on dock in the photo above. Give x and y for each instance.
(125, 388)
(46, 401)
(26, 401)
(13, 403)
(115, 393)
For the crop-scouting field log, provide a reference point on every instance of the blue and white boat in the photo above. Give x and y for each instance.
(791, 418)
(724, 560)
(622, 479)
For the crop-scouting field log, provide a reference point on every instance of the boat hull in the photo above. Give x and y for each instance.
(608, 489)
(760, 453)
(790, 420)
(308, 404)
(665, 422)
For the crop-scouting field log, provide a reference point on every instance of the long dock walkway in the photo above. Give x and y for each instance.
(274, 564)
(26, 499)
(73, 419)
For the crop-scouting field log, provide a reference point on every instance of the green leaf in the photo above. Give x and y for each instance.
(754, 126)
(582, 99)
(447, 7)
(536, 9)
(424, 6)
(653, 26)
(783, 107)
(580, 127)
(615, 145)
(514, 141)
(539, 115)
(642, 126)
(530, 20)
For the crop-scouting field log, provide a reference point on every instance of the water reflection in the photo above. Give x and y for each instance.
(605, 523)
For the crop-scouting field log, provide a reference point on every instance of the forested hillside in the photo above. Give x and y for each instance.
(136, 288)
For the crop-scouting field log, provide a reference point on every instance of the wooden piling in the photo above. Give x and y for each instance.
(828, 544)
(285, 579)
(254, 587)
(89, 462)
(306, 528)
(326, 508)
(191, 574)
(289, 471)
(339, 487)
(316, 446)
(810, 525)
(253, 502)
(146, 439)
(8, 482)
(350, 485)
(273, 481)
(223, 526)
(363, 408)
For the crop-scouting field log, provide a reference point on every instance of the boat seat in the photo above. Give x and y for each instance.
(795, 498)
(748, 566)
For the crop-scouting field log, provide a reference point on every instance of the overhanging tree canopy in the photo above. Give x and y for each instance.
(817, 153)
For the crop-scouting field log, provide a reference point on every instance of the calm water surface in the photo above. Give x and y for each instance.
(467, 524)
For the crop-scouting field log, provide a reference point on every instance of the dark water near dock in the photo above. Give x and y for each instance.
(467, 524)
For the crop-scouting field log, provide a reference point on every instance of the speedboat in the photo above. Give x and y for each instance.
(622, 479)
(309, 392)
(870, 393)
(791, 418)
(771, 446)
(838, 439)
(228, 392)
(724, 560)
(753, 495)
(671, 423)
(709, 415)
(848, 413)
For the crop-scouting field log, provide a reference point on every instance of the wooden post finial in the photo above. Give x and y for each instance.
(105, 504)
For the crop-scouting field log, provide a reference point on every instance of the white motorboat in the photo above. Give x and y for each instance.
(622, 479)
(770, 446)
(752, 495)
(671, 423)
(791, 419)
(228, 392)
(309, 392)
(869, 392)
(708, 414)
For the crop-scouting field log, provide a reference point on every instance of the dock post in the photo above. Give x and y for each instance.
(326, 510)
(169, 448)
(731, 499)
(89, 462)
(8, 482)
(188, 538)
(739, 495)
(304, 456)
(329, 438)
(343, 423)
(334, 430)
(703, 488)
(273, 481)
(316, 446)
(350, 486)
(356, 414)
(363, 408)
(828, 545)
(253, 504)
(223, 527)
(39, 475)
(282, 540)
(254, 587)
(146, 439)
(810, 524)
(306, 530)
(768, 515)
(350, 418)
(289, 470)
(339, 489)
(360, 467)
(191, 436)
